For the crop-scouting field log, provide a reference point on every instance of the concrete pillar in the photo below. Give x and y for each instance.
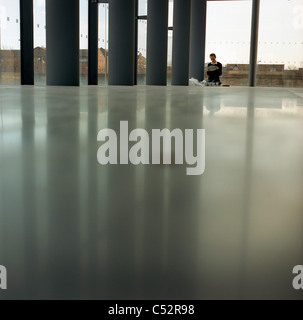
(197, 39)
(157, 32)
(121, 42)
(93, 42)
(27, 42)
(62, 42)
(254, 42)
(181, 36)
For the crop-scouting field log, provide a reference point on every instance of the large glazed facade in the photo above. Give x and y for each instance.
(150, 42)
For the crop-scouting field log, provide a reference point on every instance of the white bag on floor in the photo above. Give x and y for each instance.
(194, 82)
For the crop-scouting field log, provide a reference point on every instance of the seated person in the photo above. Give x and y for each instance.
(214, 70)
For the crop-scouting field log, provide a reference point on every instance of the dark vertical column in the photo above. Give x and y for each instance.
(92, 42)
(121, 42)
(62, 42)
(181, 36)
(136, 42)
(27, 42)
(157, 29)
(254, 42)
(197, 39)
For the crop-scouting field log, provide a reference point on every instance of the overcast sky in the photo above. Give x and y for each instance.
(228, 29)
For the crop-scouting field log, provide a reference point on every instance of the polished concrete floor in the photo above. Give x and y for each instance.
(73, 229)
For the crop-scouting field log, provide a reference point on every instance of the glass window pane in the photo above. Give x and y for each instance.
(170, 40)
(142, 41)
(103, 44)
(9, 42)
(141, 57)
(280, 53)
(142, 7)
(228, 36)
(83, 42)
(39, 42)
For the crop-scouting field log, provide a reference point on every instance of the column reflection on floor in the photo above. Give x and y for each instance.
(63, 195)
(120, 226)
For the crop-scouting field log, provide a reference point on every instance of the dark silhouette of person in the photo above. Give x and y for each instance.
(214, 70)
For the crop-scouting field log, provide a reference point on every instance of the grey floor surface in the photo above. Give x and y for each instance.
(71, 228)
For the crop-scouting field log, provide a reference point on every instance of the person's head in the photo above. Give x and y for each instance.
(213, 57)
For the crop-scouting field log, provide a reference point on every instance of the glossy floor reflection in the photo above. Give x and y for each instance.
(71, 228)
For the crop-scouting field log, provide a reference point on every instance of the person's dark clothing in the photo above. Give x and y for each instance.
(214, 76)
